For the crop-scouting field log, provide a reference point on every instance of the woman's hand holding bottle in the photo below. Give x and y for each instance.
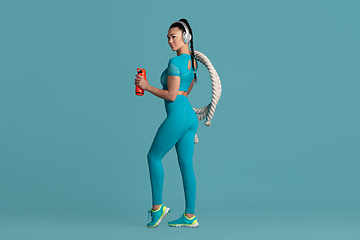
(141, 81)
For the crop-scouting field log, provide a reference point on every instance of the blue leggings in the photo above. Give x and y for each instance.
(178, 129)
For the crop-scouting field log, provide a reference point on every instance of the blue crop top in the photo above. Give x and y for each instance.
(178, 66)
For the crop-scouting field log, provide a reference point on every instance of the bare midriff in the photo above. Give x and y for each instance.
(182, 93)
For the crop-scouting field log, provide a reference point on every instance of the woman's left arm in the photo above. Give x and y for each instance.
(190, 87)
(192, 83)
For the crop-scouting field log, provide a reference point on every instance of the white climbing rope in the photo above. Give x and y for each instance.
(208, 111)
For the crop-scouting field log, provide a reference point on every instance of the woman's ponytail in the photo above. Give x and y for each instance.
(179, 25)
(191, 46)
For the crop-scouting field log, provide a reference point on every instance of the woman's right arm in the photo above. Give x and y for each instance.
(173, 85)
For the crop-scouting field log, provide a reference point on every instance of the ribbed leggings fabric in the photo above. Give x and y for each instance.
(178, 129)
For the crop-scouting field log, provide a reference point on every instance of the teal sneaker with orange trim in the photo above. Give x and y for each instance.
(157, 216)
(184, 221)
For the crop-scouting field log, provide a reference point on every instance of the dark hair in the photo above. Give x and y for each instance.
(179, 25)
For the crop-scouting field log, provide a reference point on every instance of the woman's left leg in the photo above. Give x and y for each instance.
(185, 150)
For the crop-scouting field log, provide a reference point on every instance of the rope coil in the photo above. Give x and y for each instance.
(208, 111)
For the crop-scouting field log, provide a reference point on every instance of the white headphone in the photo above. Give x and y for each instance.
(186, 35)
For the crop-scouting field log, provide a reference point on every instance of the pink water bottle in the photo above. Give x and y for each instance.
(138, 90)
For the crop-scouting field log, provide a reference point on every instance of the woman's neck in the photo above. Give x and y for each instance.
(184, 49)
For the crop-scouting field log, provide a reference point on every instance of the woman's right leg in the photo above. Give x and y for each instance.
(166, 137)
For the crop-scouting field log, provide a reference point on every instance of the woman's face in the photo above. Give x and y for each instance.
(175, 38)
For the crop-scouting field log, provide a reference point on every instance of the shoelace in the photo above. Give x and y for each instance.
(181, 215)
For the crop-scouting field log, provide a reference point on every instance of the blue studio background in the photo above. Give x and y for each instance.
(74, 137)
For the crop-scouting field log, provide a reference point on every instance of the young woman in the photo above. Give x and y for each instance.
(179, 127)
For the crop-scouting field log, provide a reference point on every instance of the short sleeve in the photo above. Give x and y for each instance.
(173, 68)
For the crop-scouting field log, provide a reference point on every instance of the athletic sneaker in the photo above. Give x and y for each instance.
(157, 216)
(184, 221)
